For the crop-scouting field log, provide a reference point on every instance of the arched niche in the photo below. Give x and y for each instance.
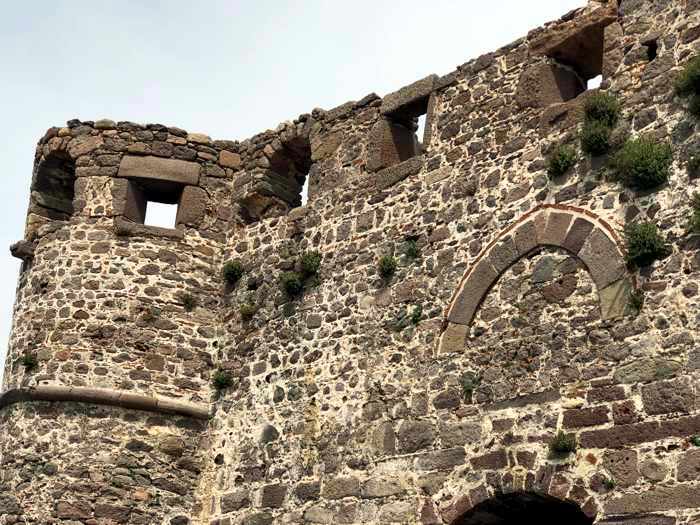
(575, 230)
(521, 507)
(53, 186)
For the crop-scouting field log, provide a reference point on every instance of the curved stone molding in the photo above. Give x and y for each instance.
(104, 396)
(578, 231)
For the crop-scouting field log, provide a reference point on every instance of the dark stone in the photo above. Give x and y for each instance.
(585, 417)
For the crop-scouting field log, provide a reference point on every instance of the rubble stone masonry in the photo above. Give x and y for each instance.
(430, 396)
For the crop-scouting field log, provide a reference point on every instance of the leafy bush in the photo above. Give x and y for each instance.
(563, 444)
(189, 301)
(233, 270)
(688, 81)
(30, 362)
(248, 310)
(644, 244)
(609, 483)
(694, 226)
(310, 263)
(222, 380)
(688, 85)
(603, 108)
(411, 249)
(387, 266)
(642, 163)
(595, 137)
(560, 161)
(695, 440)
(291, 284)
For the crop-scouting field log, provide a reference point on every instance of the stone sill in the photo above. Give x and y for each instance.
(104, 396)
(126, 228)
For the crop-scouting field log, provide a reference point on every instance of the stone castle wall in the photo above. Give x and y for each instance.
(344, 408)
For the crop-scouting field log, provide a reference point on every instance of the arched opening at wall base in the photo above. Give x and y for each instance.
(524, 507)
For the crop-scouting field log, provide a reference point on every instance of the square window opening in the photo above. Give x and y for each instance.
(580, 62)
(407, 130)
(153, 202)
(652, 47)
(160, 214)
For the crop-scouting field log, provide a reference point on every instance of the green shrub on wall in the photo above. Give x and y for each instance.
(642, 163)
(595, 138)
(387, 266)
(410, 249)
(222, 380)
(233, 271)
(189, 301)
(688, 85)
(603, 108)
(291, 284)
(30, 362)
(247, 311)
(562, 159)
(601, 115)
(644, 244)
(310, 263)
(562, 444)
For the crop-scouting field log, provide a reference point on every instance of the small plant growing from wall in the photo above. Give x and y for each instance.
(310, 263)
(291, 284)
(562, 445)
(411, 250)
(416, 315)
(609, 483)
(694, 223)
(644, 244)
(469, 383)
(604, 108)
(189, 301)
(233, 271)
(601, 114)
(562, 159)
(248, 311)
(642, 163)
(30, 362)
(222, 380)
(387, 266)
(688, 85)
(695, 441)
(636, 301)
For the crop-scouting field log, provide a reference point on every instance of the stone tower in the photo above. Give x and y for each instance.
(475, 346)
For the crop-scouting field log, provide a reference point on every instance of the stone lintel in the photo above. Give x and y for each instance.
(410, 97)
(390, 176)
(104, 396)
(172, 170)
(127, 228)
(469, 298)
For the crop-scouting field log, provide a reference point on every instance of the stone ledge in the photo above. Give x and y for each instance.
(104, 396)
(125, 228)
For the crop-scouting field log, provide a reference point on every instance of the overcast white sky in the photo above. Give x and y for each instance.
(226, 68)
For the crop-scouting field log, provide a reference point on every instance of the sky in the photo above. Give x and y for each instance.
(229, 69)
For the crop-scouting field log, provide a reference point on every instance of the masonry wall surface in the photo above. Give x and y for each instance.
(342, 408)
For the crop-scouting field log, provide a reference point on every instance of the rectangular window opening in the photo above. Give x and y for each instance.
(305, 191)
(420, 132)
(595, 82)
(160, 214)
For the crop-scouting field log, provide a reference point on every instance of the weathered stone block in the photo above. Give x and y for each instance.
(382, 487)
(491, 461)
(664, 397)
(440, 459)
(585, 417)
(602, 258)
(173, 170)
(659, 498)
(460, 433)
(503, 254)
(409, 96)
(577, 235)
(525, 237)
(342, 487)
(647, 369)
(556, 229)
(622, 465)
(193, 206)
(415, 435)
(689, 466)
(272, 496)
(453, 339)
(472, 292)
(614, 299)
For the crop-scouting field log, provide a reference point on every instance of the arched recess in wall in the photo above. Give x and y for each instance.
(53, 186)
(278, 187)
(575, 230)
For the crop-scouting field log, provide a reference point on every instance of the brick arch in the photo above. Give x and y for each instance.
(578, 231)
(540, 487)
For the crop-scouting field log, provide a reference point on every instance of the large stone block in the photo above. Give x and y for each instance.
(614, 299)
(389, 144)
(665, 397)
(415, 435)
(602, 257)
(193, 206)
(525, 237)
(472, 292)
(544, 84)
(172, 170)
(577, 235)
(689, 466)
(342, 487)
(504, 254)
(556, 228)
(453, 339)
(390, 176)
(659, 498)
(441, 459)
(622, 465)
(409, 98)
